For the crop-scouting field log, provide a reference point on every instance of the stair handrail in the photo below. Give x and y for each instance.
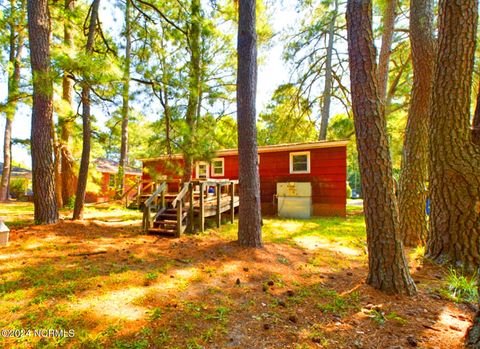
(180, 195)
(148, 204)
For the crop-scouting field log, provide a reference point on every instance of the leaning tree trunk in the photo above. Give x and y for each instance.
(388, 22)
(250, 218)
(125, 107)
(454, 159)
(66, 121)
(327, 91)
(193, 88)
(476, 121)
(85, 160)
(388, 268)
(414, 175)
(43, 180)
(15, 60)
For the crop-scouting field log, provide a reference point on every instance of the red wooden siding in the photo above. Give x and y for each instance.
(328, 175)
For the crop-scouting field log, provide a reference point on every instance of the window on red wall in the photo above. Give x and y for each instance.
(218, 167)
(300, 162)
(111, 180)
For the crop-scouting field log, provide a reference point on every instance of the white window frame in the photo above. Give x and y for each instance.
(197, 168)
(296, 154)
(213, 168)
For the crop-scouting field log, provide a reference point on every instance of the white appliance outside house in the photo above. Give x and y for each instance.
(294, 199)
(4, 232)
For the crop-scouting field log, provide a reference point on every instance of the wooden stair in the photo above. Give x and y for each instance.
(166, 222)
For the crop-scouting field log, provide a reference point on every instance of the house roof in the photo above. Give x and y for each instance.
(267, 149)
(17, 172)
(110, 166)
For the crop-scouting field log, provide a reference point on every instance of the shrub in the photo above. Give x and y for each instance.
(18, 187)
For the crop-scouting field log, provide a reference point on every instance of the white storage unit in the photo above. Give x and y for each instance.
(294, 199)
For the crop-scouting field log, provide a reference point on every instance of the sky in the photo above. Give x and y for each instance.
(271, 73)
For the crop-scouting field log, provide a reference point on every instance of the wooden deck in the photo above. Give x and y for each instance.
(188, 209)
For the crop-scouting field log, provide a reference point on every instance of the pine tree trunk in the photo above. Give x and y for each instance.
(388, 22)
(7, 160)
(454, 159)
(85, 160)
(388, 268)
(125, 107)
(476, 121)
(327, 91)
(66, 121)
(43, 179)
(250, 218)
(15, 59)
(194, 87)
(414, 175)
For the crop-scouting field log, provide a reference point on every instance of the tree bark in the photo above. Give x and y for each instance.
(327, 91)
(388, 268)
(414, 175)
(194, 87)
(250, 218)
(125, 107)
(388, 22)
(476, 121)
(85, 160)
(45, 205)
(66, 121)
(17, 37)
(454, 159)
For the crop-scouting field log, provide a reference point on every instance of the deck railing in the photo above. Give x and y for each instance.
(152, 202)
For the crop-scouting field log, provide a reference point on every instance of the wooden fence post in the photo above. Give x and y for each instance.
(191, 223)
(232, 202)
(179, 218)
(201, 211)
(219, 205)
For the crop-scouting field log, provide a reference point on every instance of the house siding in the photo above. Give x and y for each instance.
(328, 175)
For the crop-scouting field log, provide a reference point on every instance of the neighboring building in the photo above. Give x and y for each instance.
(108, 170)
(23, 178)
(296, 180)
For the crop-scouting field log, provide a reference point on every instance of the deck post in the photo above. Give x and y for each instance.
(179, 218)
(232, 201)
(139, 193)
(162, 199)
(201, 211)
(219, 205)
(191, 224)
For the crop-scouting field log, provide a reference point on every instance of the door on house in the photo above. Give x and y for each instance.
(202, 170)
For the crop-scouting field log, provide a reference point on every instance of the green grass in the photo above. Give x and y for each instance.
(348, 231)
(460, 288)
(19, 214)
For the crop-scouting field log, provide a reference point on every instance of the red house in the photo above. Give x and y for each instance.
(107, 180)
(296, 180)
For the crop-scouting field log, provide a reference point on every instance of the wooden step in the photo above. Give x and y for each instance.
(166, 216)
(162, 231)
(157, 224)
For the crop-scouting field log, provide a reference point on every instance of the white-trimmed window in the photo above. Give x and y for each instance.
(202, 170)
(218, 167)
(111, 181)
(300, 162)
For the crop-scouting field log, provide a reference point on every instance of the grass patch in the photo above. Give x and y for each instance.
(460, 288)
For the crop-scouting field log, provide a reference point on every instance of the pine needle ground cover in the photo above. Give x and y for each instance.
(118, 288)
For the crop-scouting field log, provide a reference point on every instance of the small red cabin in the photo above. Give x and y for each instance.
(107, 180)
(296, 180)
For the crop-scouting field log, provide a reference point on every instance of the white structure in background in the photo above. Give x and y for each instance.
(4, 232)
(294, 199)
